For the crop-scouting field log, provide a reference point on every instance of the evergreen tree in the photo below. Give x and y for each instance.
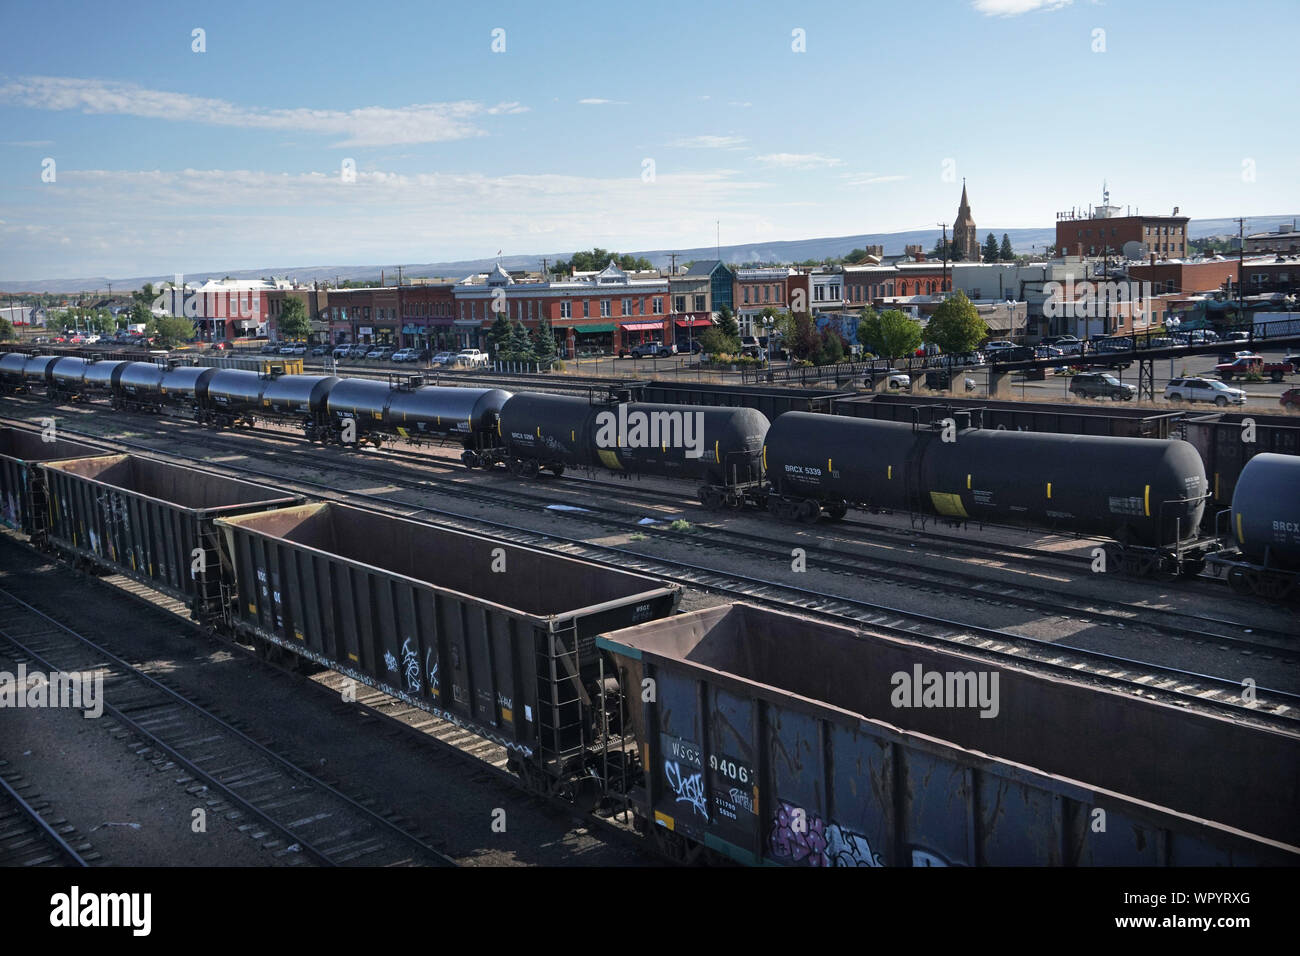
(728, 324)
(990, 249)
(520, 348)
(6, 330)
(544, 342)
(1006, 254)
(498, 337)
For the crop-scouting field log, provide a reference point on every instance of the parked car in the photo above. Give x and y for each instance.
(442, 358)
(406, 355)
(685, 345)
(1101, 385)
(359, 351)
(318, 350)
(1291, 399)
(1203, 390)
(380, 353)
(474, 358)
(270, 349)
(651, 350)
(1237, 337)
(1047, 351)
(992, 348)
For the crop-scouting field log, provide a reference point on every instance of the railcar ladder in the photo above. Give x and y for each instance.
(560, 730)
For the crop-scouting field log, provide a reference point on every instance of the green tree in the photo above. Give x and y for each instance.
(956, 326)
(831, 347)
(804, 343)
(167, 330)
(1006, 253)
(294, 323)
(520, 347)
(990, 249)
(943, 248)
(713, 341)
(140, 314)
(498, 337)
(145, 295)
(891, 334)
(728, 324)
(6, 330)
(544, 342)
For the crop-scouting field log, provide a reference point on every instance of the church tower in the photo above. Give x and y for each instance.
(965, 243)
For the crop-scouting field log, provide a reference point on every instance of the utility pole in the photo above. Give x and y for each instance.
(672, 271)
(1241, 268)
(401, 316)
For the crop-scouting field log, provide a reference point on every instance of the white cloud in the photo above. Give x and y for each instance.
(366, 126)
(799, 160)
(143, 222)
(870, 179)
(709, 142)
(597, 101)
(743, 104)
(1013, 8)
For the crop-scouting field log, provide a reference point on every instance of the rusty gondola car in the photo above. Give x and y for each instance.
(769, 738)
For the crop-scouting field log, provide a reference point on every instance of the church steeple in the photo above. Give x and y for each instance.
(965, 243)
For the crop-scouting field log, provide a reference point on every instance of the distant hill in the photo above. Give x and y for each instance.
(790, 250)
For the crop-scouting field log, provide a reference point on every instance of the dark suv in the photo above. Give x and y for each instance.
(1101, 385)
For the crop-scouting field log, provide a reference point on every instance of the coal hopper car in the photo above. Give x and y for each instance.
(494, 637)
(776, 739)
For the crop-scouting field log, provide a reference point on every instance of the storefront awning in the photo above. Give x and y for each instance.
(642, 326)
(696, 323)
(603, 327)
(466, 323)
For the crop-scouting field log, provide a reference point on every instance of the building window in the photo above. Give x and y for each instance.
(627, 306)
(679, 303)
(699, 303)
(658, 305)
(605, 308)
(767, 293)
(586, 308)
(746, 295)
(566, 309)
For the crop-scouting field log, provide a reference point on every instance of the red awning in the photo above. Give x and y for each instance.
(696, 323)
(642, 326)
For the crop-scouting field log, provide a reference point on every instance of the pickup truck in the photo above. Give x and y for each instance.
(471, 357)
(1253, 365)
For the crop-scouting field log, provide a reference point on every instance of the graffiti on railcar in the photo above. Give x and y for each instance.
(802, 837)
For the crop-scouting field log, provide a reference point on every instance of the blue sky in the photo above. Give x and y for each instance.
(626, 126)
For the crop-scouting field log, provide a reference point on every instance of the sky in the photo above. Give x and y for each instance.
(154, 138)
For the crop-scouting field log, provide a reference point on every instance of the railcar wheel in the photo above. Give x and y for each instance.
(809, 511)
(470, 459)
(710, 497)
(836, 510)
(516, 466)
(557, 470)
(1239, 579)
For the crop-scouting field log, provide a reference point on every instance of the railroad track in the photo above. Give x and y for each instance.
(30, 834)
(894, 565)
(1187, 688)
(288, 809)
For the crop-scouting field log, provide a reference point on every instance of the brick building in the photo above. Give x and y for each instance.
(1205, 275)
(757, 289)
(1101, 231)
(602, 311)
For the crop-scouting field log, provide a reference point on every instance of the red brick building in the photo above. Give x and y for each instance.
(1099, 233)
(604, 311)
(1206, 276)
